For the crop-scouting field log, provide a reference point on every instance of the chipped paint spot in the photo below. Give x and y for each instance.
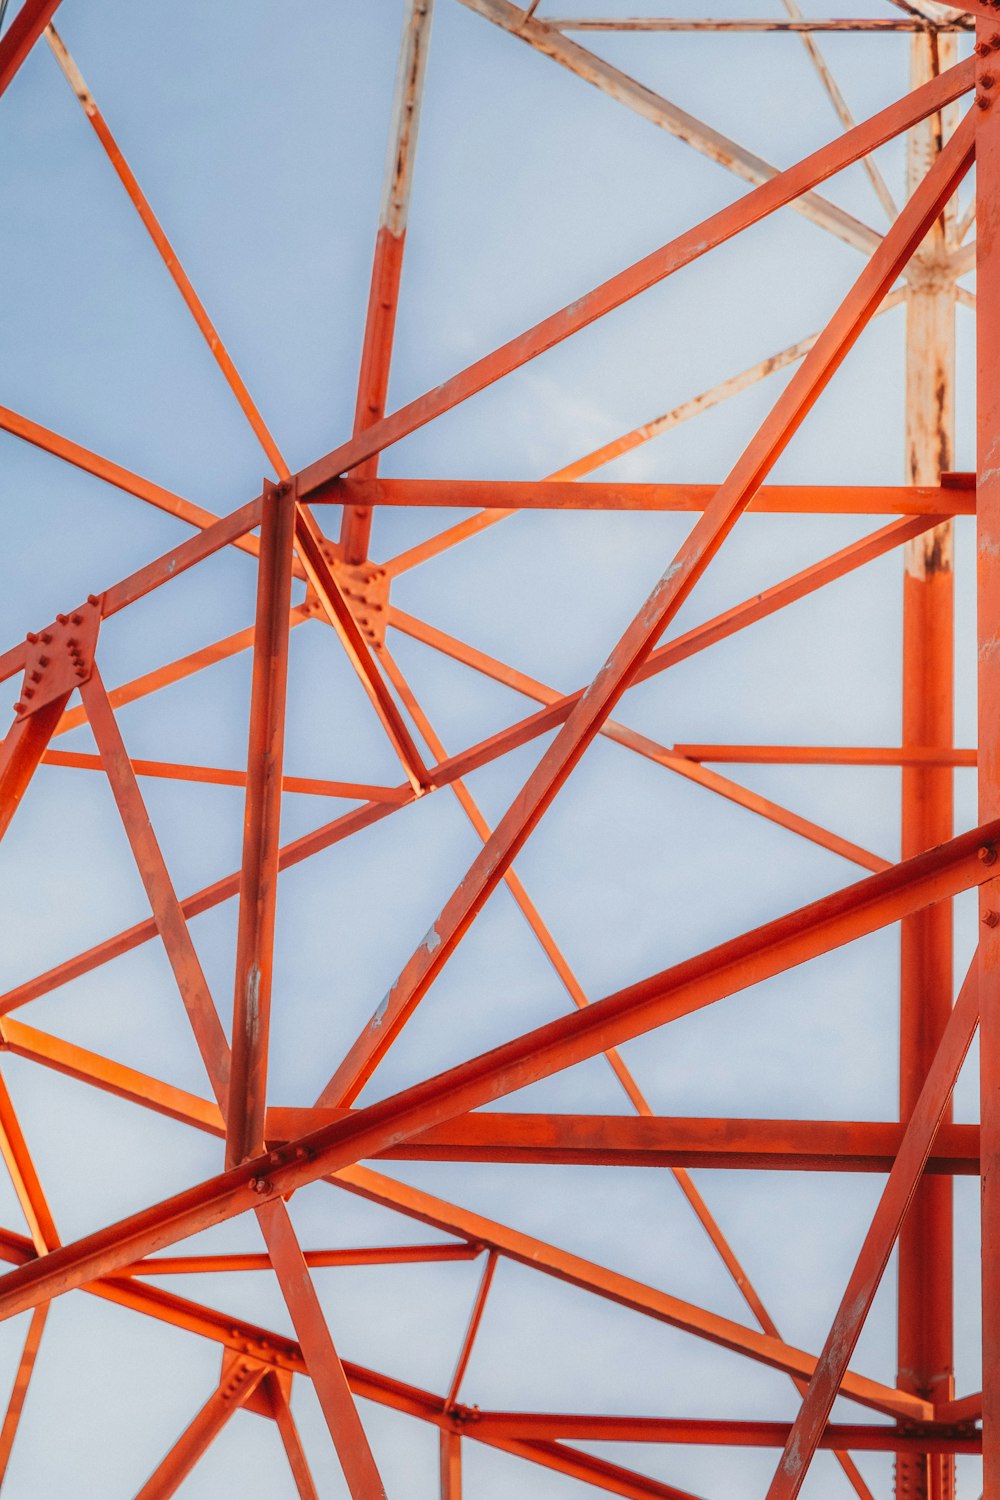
(253, 1004)
(432, 940)
(379, 1016)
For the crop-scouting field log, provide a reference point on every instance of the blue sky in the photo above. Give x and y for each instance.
(258, 134)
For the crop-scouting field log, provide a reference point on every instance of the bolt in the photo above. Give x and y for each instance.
(987, 81)
(43, 661)
(36, 677)
(77, 619)
(260, 1184)
(31, 638)
(60, 619)
(46, 637)
(991, 918)
(19, 708)
(81, 671)
(982, 101)
(987, 854)
(28, 692)
(93, 598)
(981, 49)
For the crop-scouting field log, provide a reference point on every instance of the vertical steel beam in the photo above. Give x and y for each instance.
(925, 1356)
(451, 1465)
(259, 874)
(387, 266)
(988, 580)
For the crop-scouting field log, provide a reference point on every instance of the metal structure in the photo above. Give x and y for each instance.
(307, 569)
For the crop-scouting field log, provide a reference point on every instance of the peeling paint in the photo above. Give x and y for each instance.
(432, 940)
(253, 1004)
(380, 1012)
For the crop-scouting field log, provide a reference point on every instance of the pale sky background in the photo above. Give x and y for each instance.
(258, 133)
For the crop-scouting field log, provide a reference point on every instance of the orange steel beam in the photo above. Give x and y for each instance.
(273, 1352)
(387, 265)
(925, 1352)
(112, 1077)
(896, 1199)
(599, 1281)
(262, 816)
(351, 791)
(113, 474)
(232, 1393)
(618, 1067)
(28, 1188)
(325, 1369)
(641, 744)
(662, 112)
(832, 755)
(451, 1465)
(988, 663)
(643, 274)
(167, 913)
(756, 608)
(372, 1255)
(639, 638)
(938, 1437)
(309, 540)
(22, 1379)
(475, 1319)
(20, 754)
(770, 499)
(592, 1140)
(815, 929)
(22, 34)
(442, 541)
(165, 250)
(281, 1411)
(184, 666)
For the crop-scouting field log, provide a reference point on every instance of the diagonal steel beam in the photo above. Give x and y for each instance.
(633, 649)
(873, 1258)
(756, 205)
(225, 1401)
(668, 116)
(22, 34)
(22, 1379)
(387, 265)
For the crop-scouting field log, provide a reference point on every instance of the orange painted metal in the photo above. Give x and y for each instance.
(273, 1151)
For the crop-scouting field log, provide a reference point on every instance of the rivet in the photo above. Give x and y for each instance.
(43, 661)
(20, 707)
(982, 101)
(93, 598)
(78, 619)
(36, 676)
(991, 918)
(60, 619)
(987, 854)
(28, 692)
(987, 81)
(45, 637)
(31, 638)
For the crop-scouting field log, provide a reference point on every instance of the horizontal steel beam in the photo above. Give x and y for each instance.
(654, 1141)
(574, 494)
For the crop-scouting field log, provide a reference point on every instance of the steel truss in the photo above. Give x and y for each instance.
(951, 120)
